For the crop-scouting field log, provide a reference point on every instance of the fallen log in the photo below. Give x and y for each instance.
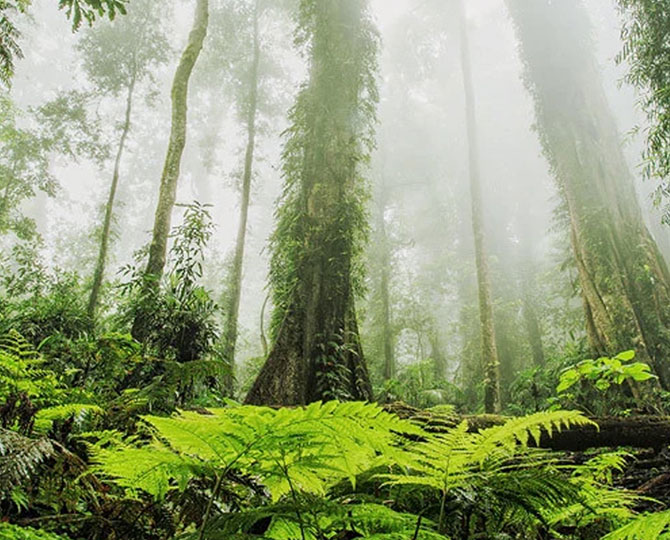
(612, 432)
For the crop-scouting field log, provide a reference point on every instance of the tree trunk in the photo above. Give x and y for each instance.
(99, 273)
(235, 284)
(532, 324)
(170, 177)
(384, 294)
(527, 292)
(316, 352)
(490, 361)
(437, 355)
(624, 280)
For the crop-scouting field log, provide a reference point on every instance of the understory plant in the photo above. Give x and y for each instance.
(603, 385)
(345, 470)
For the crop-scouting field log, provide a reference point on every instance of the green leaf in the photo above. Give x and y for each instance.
(625, 356)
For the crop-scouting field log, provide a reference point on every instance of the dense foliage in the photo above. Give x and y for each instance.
(325, 377)
(646, 53)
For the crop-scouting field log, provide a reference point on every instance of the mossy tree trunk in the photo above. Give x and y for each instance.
(99, 272)
(624, 280)
(321, 227)
(171, 169)
(490, 363)
(232, 307)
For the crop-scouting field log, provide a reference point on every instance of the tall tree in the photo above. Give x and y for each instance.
(624, 281)
(380, 274)
(322, 225)
(170, 177)
(526, 275)
(232, 306)
(490, 363)
(384, 294)
(117, 59)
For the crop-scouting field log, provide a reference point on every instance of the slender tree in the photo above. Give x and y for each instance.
(489, 360)
(315, 271)
(624, 281)
(384, 294)
(235, 284)
(117, 58)
(526, 265)
(171, 169)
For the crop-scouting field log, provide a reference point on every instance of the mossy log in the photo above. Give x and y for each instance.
(634, 431)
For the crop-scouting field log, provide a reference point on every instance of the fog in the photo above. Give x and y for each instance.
(421, 237)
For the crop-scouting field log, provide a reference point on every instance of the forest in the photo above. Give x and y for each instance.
(334, 269)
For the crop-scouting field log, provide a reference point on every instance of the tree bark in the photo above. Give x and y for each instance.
(316, 352)
(99, 273)
(624, 280)
(490, 361)
(235, 283)
(171, 169)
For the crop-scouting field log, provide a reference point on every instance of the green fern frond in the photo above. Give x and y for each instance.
(308, 449)
(518, 432)
(45, 418)
(536, 492)
(153, 469)
(14, 532)
(646, 527)
(20, 458)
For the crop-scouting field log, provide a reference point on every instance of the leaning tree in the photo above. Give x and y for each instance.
(322, 222)
(623, 278)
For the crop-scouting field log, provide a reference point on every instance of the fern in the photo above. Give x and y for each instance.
(20, 458)
(311, 448)
(21, 371)
(495, 466)
(13, 532)
(295, 454)
(598, 501)
(518, 432)
(646, 527)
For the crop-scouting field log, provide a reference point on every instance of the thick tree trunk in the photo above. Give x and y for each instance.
(99, 273)
(624, 280)
(171, 169)
(316, 352)
(235, 283)
(490, 361)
